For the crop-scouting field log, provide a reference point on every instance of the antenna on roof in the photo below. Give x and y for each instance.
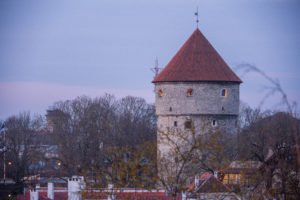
(156, 69)
(196, 13)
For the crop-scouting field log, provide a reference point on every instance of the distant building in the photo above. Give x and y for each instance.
(241, 177)
(207, 186)
(239, 173)
(53, 117)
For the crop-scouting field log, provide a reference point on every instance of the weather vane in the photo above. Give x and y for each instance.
(196, 13)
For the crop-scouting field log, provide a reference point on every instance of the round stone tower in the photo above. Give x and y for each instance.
(197, 90)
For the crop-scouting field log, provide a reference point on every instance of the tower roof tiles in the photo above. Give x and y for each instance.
(197, 60)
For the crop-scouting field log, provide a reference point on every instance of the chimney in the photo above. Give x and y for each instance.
(50, 193)
(34, 194)
(183, 195)
(75, 185)
(110, 188)
(196, 181)
(216, 174)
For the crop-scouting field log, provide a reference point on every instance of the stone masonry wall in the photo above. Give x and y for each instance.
(201, 123)
(206, 108)
(206, 98)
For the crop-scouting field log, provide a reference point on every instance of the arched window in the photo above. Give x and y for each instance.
(160, 93)
(224, 93)
(190, 92)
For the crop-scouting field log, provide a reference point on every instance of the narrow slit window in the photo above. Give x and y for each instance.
(224, 93)
(190, 92)
(170, 109)
(214, 123)
(175, 123)
(160, 93)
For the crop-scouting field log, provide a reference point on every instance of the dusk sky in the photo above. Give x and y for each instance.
(60, 49)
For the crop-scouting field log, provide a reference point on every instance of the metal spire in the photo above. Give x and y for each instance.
(156, 69)
(196, 13)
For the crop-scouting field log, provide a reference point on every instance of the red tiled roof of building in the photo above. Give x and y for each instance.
(197, 60)
(203, 177)
(43, 196)
(239, 167)
(212, 185)
(237, 170)
(208, 183)
(120, 193)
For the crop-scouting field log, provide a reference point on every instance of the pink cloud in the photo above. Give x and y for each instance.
(37, 97)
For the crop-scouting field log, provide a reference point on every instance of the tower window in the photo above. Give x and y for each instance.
(160, 93)
(214, 123)
(188, 124)
(170, 109)
(175, 123)
(224, 93)
(190, 92)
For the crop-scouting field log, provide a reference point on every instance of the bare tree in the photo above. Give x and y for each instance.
(186, 154)
(272, 138)
(88, 127)
(275, 87)
(136, 122)
(21, 154)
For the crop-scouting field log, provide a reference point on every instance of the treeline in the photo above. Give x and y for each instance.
(96, 136)
(272, 138)
(114, 141)
(80, 136)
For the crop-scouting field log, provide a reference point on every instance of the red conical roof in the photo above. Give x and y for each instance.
(197, 60)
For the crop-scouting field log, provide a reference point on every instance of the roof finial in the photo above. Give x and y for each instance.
(156, 69)
(196, 13)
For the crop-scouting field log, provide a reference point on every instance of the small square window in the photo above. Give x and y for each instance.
(188, 124)
(160, 93)
(190, 92)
